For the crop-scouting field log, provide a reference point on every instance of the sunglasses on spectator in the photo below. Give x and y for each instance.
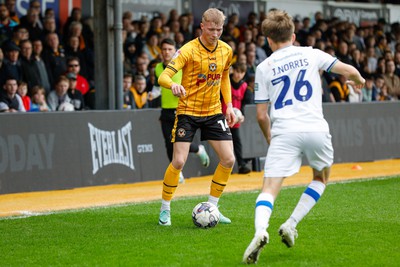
(73, 65)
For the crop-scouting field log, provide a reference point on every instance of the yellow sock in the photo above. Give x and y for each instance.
(219, 180)
(171, 179)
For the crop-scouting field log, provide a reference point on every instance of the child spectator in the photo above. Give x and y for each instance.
(369, 92)
(59, 96)
(23, 93)
(38, 99)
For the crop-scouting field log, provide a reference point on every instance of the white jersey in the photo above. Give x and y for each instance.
(289, 79)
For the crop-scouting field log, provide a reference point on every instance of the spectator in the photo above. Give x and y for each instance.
(23, 93)
(59, 95)
(38, 99)
(392, 81)
(10, 4)
(75, 95)
(20, 34)
(86, 57)
(54, 58)
(339, 89)
(151, 48)
(10, 101)
(128, 95)
(49, 26)
(369, 92)
(87, 33)
(11, 66)
(33, 23)
(141, 36)
(73, 65)
(40, 65)
(261, 53)
(30, 72)
(139, 93)
(6, 24)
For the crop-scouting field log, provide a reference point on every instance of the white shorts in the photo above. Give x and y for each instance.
(286, 151)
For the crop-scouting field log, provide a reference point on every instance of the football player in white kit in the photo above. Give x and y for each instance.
(289, 81)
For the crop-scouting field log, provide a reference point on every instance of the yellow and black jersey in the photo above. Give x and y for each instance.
(205, 76)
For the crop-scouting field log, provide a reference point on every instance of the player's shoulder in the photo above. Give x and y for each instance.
(224, 45)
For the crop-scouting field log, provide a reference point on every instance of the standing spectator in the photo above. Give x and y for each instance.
(23, 93)
(128, 95)
(11, 66)
(54, 57)
(39, 99)
(75, 95)
(10, 101)
(6, 24)
(59, 96)
(139, 93)
(392, 81)
(30, 73)
(40, 65)
(73, 65)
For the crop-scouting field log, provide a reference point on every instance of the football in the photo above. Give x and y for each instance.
(205, 215)
(238, 114)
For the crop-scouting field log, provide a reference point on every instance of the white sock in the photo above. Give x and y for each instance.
(165, 205)
(307, 200)
(264, 206)
(213, 200)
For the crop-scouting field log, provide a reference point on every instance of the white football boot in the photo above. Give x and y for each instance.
(253, 250)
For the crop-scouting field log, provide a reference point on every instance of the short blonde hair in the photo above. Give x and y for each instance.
(213, 15)
(278, 26)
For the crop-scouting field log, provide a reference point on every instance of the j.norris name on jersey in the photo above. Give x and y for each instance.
(298, 63)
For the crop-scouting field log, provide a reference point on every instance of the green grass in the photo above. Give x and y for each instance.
(354, 224)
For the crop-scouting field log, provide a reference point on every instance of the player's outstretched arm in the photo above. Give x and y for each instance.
(350, 72)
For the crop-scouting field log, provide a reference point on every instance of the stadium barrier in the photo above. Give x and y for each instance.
(61, 150)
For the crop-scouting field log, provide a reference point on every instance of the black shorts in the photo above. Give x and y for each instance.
(212, 128)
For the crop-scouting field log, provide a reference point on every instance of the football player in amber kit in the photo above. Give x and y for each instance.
(205, 63)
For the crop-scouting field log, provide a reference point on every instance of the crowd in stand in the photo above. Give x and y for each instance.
(44, 66)
(48, 66)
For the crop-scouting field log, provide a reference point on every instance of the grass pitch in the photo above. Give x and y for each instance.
(354, 224)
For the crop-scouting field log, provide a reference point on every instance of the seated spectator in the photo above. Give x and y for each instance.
(38, 99)
(59, 95)
(339, 88)
(20, 34)
(392, 81)
(75, 95)
(139, 93)
(6, 24)
(10, 4)
(86, 31)
(369, 92)
(30, 73)
(10, 101)
(23, 93)
(73, 65)
(151, 48)
(32, 22)
(86, 57)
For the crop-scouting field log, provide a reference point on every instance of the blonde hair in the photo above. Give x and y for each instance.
(278, 26)
(213, 15)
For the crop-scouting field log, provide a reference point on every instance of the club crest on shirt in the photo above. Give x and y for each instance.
(181, 132)
(201, 78)
(212, 66)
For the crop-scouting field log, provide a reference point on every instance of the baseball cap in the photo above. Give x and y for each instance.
(71, 75)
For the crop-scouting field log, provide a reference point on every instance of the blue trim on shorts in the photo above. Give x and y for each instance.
(312, 193)
(265, 203)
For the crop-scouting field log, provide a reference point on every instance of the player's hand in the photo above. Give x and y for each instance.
(178, 90)
(230, 116)
(356, 85)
